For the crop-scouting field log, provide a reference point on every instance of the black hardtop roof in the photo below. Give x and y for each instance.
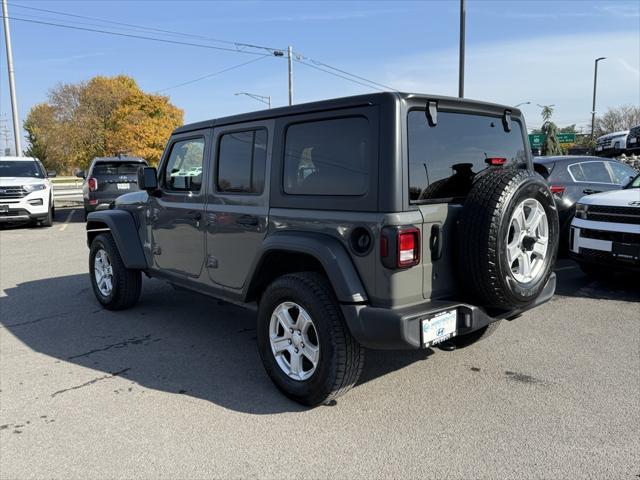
(337, 103)
(119, 158)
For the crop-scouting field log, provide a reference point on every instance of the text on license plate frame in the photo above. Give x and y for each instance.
(627, 251)
(440, 327)
(123, 186)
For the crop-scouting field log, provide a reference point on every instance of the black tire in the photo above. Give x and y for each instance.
(482, 234)
(474, 337)
(48, 220)
(126, 283)
(341, 356)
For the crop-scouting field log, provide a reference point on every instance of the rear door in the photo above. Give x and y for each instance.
(591, 176)
(238, 205)
(176, 213)
(443, 161)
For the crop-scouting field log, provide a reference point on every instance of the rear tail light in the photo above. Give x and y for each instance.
(557, 189)
(400, 247)
(496, 161)
(93, 184)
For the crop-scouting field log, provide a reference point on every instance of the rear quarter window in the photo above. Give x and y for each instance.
(327, 157)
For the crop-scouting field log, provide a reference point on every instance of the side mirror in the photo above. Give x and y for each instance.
(52, 173)
(147, 178)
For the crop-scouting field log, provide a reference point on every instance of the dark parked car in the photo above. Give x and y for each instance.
(633, 140)
(108, 178)
(573, 177)
(361, 222)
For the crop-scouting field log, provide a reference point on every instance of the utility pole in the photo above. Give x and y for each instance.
(595, 83)
(290, 59)
(461, 68)
(12, 82)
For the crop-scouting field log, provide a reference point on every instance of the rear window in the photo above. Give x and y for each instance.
(443, 160)
(328, 157)
(116, 168)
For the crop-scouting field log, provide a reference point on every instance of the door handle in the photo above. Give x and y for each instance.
(588, 191)
(247, 220)
(435, 242)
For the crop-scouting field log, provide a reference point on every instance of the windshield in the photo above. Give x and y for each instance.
(635, 183)
(116, 168)
(444, 159)
(27, 168)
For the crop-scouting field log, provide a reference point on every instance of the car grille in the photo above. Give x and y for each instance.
(635, 131)
(621, 237)
(604, 143)
(14, 213)
(601, 213)
(12, 192)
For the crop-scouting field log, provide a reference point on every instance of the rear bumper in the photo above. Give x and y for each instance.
(396, 329)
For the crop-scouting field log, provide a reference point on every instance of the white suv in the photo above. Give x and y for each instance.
(605, 232)
(26, 193)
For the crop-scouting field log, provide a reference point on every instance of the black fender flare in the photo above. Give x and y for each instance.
(124, 231)
(331, 254)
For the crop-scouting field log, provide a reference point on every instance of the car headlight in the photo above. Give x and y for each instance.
(34, 187)
(581, 211)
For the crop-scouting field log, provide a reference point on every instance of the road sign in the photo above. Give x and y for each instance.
(537, 140)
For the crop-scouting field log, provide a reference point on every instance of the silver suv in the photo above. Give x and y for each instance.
(381, 221)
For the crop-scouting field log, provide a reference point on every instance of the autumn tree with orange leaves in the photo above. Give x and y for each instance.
(105, 116)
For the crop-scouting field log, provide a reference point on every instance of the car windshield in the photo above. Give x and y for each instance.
(635, 183)
(116, 168)
(20, 169)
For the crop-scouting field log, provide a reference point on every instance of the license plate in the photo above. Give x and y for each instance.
(598, 149)
(439, 328)
(123, 186)
(633, 140)
(626, 251)
(4, 208)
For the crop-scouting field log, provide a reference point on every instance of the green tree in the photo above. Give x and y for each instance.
(551, 145)
(101, 117)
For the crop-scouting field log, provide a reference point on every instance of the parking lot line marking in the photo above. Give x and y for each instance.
(66, 222)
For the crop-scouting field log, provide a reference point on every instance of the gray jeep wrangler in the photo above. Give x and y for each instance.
(382, 221)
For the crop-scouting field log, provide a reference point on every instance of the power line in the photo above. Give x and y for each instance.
(144, 28)
(141, 37)
(337, 75)
(214, 74)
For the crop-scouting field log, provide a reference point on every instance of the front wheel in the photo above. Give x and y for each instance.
(115, 286)
(305, 345)
(48, 220)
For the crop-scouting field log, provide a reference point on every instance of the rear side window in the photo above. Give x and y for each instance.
(183, 171)
(444, 159)
(328, 157)
(241, 162)
(590, 172)
(116, 168)
(622, 174)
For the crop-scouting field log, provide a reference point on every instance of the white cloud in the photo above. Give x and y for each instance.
(547, 70)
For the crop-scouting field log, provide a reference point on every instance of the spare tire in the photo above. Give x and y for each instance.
(507, 238)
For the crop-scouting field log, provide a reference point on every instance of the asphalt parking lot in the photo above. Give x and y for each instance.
(174, 388)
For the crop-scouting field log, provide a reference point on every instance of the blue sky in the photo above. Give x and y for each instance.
(517, 51)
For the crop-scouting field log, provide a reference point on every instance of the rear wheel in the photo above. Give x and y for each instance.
(305, 345)
(115, 286)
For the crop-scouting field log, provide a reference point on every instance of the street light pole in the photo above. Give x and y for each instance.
(12, 81)
(595, 83)
(290, 60)
(461, 67)
(523, 103)
(260, 98)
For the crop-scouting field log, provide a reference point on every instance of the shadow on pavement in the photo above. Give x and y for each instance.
(172, 341)
(572, 282)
